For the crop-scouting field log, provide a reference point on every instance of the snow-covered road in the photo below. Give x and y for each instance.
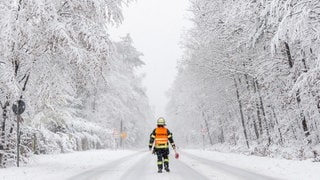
(137, 164)
(142, 166)
(218, 170)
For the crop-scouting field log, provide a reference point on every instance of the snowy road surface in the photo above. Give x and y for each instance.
(142, 166)
(134, 164)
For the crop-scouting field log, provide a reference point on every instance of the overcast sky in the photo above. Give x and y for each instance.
(156, 27)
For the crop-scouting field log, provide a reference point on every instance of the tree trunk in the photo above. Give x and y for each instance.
(302, 116)
(256, 131)
(3, 143)
(3, 127)
(318, 104)
(94, 102)
(294, 133)
(277, 122)
(221, 138)
(263, 112)
(259, 118)
(304, 125)
(241, 113)
(260, 132)
(290, 60)
(207, 126)
(304, 65)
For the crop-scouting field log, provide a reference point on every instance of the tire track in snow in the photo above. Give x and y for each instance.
(146, 169)
(230, 171)
(111, 170)
(142, 166)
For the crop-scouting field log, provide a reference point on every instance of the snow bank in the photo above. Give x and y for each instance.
(61, 166)
(275, 167)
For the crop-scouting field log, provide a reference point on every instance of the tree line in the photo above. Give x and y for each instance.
(249, 77)
(78, 84)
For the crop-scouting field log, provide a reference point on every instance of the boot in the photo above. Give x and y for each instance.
(166, 167)
(159, 168)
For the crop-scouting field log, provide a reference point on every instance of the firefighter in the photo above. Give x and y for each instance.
(161, 137)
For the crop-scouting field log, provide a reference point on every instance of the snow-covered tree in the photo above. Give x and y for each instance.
(251, 64)
(58, 58)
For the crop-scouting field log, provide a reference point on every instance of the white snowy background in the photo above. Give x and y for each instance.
(244, 95)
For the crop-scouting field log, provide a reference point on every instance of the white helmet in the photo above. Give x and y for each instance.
(161, 121)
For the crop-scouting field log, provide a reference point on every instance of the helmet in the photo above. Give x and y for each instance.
(161, 121)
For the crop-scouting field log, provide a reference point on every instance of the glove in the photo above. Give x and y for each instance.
(150, 148)
(174, 146)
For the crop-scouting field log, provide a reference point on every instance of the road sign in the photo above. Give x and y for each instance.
(204, 131)
(123, 135)
(18, 107)
(115, 133)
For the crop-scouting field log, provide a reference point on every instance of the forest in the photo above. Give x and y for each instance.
(80, 88)
(249, 78)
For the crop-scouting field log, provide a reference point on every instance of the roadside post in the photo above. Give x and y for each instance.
(18, 108)
(204, 131)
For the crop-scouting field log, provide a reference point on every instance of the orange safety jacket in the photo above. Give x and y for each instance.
(160, 136)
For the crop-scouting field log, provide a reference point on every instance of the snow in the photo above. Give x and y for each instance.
(61, 166)
(275, 167)
(133, 164)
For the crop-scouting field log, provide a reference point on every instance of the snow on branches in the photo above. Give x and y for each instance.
(254, 65)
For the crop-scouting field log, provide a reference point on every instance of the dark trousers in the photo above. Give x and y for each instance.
(163, 158)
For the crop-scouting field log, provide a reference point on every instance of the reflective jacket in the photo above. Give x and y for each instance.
(161, 137)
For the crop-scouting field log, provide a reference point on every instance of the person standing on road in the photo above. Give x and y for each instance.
(160, 138)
